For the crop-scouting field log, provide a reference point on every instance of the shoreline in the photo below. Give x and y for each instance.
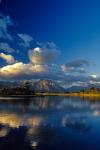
(56, 94)
(70, 94)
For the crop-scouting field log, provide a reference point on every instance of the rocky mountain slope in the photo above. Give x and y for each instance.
(47, 86)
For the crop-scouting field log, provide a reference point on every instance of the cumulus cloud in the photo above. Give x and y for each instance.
(6, 47)
(15, 69)
(26, 39)
(75, 66)
(5, 23)
(44, 54)
(24, 71)
(94, 76)
(19, 69)
(8, 58)
(40, 65)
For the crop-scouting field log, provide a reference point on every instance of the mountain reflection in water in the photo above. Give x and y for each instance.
(49, 123)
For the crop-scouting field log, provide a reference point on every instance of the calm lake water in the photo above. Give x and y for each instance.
(49, 123)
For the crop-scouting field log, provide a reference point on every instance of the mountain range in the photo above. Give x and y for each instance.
(46, 86)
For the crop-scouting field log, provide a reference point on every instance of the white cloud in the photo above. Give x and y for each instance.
(5, 22)
(94, 76)
(76, 66)
(66, 69)
(26, 39)
(39, 66)
(28, 71)
(43, 55)
(21, 69)
(15, 69)
(5, 47)
(8, 58)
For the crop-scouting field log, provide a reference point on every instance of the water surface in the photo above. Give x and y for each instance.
(49, 123)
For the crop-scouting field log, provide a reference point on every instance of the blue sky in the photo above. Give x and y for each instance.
(57, 33)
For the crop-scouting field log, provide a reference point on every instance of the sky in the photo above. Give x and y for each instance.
(50, 39)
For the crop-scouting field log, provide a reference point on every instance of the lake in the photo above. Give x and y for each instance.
(49, 123)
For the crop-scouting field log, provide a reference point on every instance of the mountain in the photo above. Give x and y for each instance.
(80, 88)
(76, 88)
(48, 86)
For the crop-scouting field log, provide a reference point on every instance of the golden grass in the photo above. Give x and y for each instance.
(70, 94)
(87, 96)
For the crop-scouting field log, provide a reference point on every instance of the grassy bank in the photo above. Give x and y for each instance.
(70, 94)
(57, 94)
(88, 96)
